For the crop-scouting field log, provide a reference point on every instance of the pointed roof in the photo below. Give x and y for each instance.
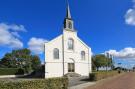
(68, 11)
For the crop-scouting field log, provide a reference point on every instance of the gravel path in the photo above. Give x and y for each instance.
(124, 81)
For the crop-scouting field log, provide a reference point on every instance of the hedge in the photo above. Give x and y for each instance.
(101, 75)
(52, 83)
(11, 71)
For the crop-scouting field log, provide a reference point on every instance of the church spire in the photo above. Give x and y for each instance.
(68, 22)
(68, 11)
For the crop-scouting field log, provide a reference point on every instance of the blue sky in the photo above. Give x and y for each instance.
(105, 25)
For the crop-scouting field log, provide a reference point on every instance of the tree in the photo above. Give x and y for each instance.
(9, 60)
(93, 64)
(21, 58)
(100, 61)
(1, 63)
(35, 62)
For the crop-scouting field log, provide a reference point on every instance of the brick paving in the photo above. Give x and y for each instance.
(123, 81)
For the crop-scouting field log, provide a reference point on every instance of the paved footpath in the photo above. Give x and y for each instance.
(82, 86)
(123, 81)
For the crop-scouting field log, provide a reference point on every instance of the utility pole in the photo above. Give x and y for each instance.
(107, 57)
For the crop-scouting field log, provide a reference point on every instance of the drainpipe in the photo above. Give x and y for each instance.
(63, 53)
(45, 61)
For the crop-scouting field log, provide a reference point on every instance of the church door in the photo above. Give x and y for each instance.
(71, 67)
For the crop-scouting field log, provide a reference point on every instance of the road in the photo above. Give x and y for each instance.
(123, 81)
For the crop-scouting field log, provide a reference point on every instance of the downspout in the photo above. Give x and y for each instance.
(45, 61)
(63, 54)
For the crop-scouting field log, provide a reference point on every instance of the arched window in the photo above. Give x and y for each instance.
(70, 44)
(83, 55)
(56, 53)
(70, 25)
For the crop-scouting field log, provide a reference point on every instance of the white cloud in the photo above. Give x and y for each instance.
(9, 35)
(12, 27)
(126, 53)
(36, 45)
(130, 15)
(15, 34)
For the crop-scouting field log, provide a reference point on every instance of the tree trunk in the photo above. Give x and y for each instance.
(97, 68)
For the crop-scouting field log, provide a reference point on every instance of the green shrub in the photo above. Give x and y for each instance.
(20, 71)
(11, 71)
(101, 75)
(92, 76)
(52, 83)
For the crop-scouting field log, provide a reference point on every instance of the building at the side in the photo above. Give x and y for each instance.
(67, 53)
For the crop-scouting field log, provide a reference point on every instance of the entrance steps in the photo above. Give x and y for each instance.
(72, 75)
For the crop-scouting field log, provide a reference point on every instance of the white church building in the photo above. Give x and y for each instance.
(67, 53)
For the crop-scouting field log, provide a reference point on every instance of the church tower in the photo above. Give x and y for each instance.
(67, 53)
(68, 22)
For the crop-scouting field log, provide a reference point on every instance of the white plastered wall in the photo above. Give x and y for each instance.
(54, 67)
(81, 66)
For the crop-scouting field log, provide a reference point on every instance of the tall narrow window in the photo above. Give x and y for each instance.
(83, 55)
(70, 25)
(70, 44)
(56, 53)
